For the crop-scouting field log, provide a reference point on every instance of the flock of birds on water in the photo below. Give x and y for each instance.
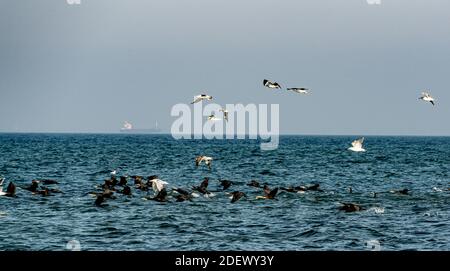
(161, 192)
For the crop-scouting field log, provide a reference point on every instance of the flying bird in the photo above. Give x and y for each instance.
(203, 187)
(158, 185)
(270, 84)
(10, 190)
(225, 184)
(201, 97)
(237, 195)
(427, 97)
(202, 158)
(269, 194)
(357, 145)
(213, 118)
(225, 113)
(299, 90)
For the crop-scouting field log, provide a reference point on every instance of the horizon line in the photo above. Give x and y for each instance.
(164, 133)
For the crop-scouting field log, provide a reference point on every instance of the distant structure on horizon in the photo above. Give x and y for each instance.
(128, 128)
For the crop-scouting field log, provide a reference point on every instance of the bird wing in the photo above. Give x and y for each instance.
(273, 193)
(265, 81)
(426, 94)
(198, 160)
(197, 99)
(432, 102)
(11, 189)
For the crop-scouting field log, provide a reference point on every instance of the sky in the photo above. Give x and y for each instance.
(90, 67)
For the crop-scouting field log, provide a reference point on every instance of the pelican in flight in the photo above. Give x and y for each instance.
(225, 113)
(357, 145)
(427, 97)
(213, 118)
(202, 158)
(201, 97)
(269, 84)
(299, 90)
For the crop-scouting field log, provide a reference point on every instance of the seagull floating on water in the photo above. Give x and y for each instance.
(201, 97)
(270, 84)
(427, 97)
(299, 90)
(357, 145)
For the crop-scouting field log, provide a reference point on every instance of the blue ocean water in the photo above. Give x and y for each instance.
(309, 221)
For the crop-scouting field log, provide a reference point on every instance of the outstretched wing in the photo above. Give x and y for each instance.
(265, 81)
(198, 160)
(273, 193)
(11, 189)
(197, 99)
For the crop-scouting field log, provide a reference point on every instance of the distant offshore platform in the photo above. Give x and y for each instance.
(128, 128)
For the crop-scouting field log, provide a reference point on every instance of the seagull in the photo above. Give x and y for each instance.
(427, 97)
(357, 145)
(114, 172)
(213, 118)
(299, 90)
(201, 97)
(225, 113)
(206, 159)
(269, 84)
(158, 185)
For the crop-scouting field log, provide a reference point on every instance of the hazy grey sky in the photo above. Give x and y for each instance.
(89, 67)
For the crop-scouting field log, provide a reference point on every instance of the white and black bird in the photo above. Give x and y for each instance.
(357, 145)
(225, 113)
(158, 185)
(202, 158)
(427, 97)
(270, 84)
(213, 118)
(299, 90)
(201, 97)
